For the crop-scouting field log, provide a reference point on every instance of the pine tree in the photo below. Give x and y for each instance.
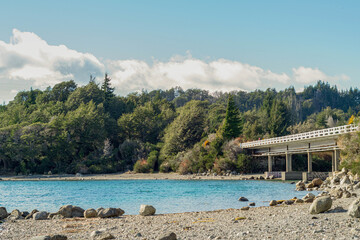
(279, 119)
(108, 91)
(232, 126)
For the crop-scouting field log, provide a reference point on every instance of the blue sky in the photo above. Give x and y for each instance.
(216, 45)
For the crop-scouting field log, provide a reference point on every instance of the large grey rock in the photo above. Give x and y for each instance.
(300, 186)
(101, 235)
(70, 211)
(31, 214)
(167, 236)
(308, 196)
(15, 215)
(110, 212)
(243, 199)
(40, 215)
(345, 180)
(147, 210)
(320, 205)
(3, 213)
(354, 209)
(317, 182)
(90, 213)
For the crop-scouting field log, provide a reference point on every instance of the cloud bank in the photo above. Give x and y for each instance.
(31, 60)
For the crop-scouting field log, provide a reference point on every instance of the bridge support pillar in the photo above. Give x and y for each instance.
(288, 162)
(270, 162)
(309, 161)
(336, 160)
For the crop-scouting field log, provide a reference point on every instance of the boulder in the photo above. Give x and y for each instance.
(167, 236)
(310, 185)
(354, 209)
(273, 203)
(317, 182)
(300, 186)
(15, 215)
(101, 235)
(357, 186)
(70, 211)
(252, 204)
(24, 214)
(308, 196)
(31, 214)
(308, 200)
(147, 210)
(345, 180)
(288, 202)
(40, 215)
(335, 181)
(320, 205)
(245, 208)
(3, 213)
(299, 201)
(243, 199)
(90, 213)
(110, 212)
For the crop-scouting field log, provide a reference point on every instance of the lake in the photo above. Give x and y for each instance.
(167, 196)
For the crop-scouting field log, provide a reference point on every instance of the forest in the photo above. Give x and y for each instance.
(89, 129)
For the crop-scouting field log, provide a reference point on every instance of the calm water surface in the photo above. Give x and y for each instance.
(167, 196)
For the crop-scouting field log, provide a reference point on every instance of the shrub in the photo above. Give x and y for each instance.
(141, 166)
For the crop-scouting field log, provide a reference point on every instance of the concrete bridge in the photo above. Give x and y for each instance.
(324, 140)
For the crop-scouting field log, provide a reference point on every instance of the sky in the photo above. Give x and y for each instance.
(208, 44)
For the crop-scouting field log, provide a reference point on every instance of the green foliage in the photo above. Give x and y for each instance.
(89, 129)
(232, 124)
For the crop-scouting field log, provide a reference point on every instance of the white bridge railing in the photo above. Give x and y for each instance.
(302, 136)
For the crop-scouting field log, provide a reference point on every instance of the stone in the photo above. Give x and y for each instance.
(41, 238)
(78, 175)
(90, 213)
(243, 199)
(289, 202)
(3, 213)
(252, 204)
(357, 186)
(147, 210)
(354, 209)
(347, 194)
(320, 205)
(308, 196)
(24, 214)
(245, 208)
(345, 180)
(299, 201)
(70, 211)
(58, 237)
(101, 235)
(40, 215)
(300, 186)
(167, 236)
(310, 185)
(15, 215)
(308, 200)
(273, 203)
(110, 212)
(335, 181)
(317, 182)
(31, 214)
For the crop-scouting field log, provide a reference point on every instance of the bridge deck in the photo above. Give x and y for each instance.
(313, 135)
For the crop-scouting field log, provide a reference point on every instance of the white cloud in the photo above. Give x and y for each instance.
(27, 57)
(308, 75)
(27, 60)
(221, 74)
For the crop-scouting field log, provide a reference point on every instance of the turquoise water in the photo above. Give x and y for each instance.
(167, 196)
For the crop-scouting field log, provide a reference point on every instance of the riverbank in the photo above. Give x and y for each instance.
(127, 176)
(278, 222)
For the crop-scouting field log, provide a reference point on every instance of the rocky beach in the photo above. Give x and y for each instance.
(333, 214)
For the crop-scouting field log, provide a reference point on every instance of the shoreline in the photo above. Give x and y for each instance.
(127, 176)
(264, 222)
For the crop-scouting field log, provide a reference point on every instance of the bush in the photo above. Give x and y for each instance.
(142, 166)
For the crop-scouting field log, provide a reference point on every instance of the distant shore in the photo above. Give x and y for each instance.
(125, 176)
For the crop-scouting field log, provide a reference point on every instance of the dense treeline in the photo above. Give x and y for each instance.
(89, 129)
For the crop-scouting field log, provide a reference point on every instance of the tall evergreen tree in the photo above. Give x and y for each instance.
(232, 126)
(279, 119)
